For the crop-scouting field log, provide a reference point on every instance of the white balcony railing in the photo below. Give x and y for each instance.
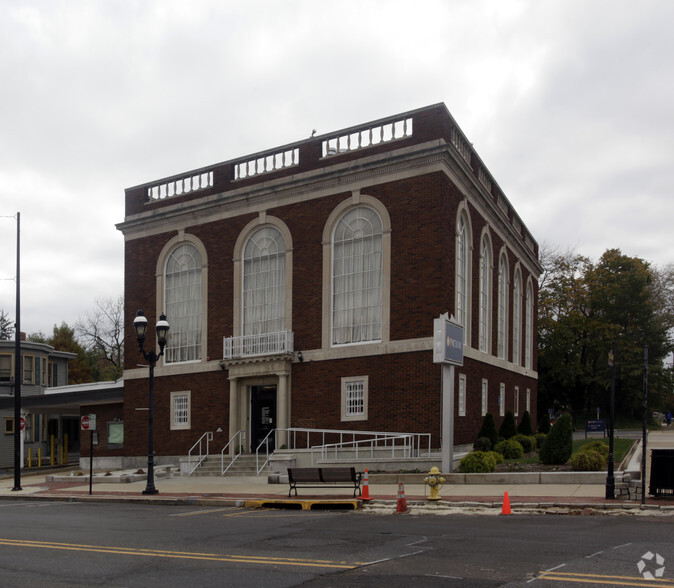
(255, 345)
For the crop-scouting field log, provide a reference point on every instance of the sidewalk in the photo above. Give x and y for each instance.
(256, 492)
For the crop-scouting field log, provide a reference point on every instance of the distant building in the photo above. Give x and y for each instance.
(301, 284)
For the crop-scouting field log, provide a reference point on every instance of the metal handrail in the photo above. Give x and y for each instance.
(264, 442)
(241, 435)
(414, 447)
(208, 436)
(407, 446)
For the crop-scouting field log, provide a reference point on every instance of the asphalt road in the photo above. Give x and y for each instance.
(60, 544)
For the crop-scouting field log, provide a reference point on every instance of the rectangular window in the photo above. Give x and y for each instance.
(9, 426)
(354, 398)
(52, 379)
(115, 434)
(6, 364)
(180, 410)
(517, 400)
(29, 428)
(28, 369)
(485, 403)
(501, 399)
(43, 362)
(462, 394)
(528, 401)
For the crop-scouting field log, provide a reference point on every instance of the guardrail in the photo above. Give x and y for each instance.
(207, 438)
(240, 435)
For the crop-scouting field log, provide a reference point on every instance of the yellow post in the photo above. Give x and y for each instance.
(39, 457)
(30, 449)
(52, 457)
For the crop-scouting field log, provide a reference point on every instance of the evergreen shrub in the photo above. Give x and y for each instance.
(587, 461)
(510, 449)
(525, 427)
(489, 429)
(527, 442)
(597, 446)
(508, 427)
(482, 444)
(544, 426)
(558, 445)
(478, 462)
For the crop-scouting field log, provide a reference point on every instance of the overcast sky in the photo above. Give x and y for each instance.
(569, 103)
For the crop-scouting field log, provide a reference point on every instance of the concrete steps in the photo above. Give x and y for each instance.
(244, 465)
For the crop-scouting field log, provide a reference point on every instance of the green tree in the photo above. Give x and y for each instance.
(525, 427)
(63, 339)
(6, 326)
(583, 308)
(488, 429)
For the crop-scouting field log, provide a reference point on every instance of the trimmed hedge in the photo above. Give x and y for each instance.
(510, 449)
(558, 445)
(478, 462)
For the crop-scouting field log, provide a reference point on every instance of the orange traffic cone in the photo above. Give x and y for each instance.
(402, 503)
(366, 488)
(506, 505)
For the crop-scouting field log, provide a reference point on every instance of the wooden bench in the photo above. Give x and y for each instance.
(320, 477)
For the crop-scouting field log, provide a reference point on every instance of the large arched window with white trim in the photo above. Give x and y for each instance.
(264, 282)
(357, 277)
(182, 297)
(529, 326)
(485, 295)
(517, 317)
(502, 314)
(462, 265)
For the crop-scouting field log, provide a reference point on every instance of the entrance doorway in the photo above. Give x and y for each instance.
(262, 415)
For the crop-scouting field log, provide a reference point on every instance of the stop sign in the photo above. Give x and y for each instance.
(23, 423)
(85, 422)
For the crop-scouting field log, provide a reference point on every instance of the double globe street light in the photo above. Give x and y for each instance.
(161, 329)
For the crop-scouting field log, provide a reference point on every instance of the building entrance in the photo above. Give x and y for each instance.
(262, 415)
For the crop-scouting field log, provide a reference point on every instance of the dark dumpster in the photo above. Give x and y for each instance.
(662, 472)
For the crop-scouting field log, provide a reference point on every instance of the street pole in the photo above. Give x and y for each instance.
(150, 489)
(645, 421)
(18, 368)
(610, 478)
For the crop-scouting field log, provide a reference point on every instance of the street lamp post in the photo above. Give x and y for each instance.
(161, 329)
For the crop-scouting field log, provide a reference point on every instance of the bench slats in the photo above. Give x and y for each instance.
(334, 477)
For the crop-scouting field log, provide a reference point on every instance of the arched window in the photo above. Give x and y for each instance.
(264, 282)
(462, 265)
(529, 326)
(502, 318)
(485, 294)
(357, 277)
(517, 318)
(182, 298)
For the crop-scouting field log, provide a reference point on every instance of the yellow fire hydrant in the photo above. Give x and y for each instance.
(435, 481)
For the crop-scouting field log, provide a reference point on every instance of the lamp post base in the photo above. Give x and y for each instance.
(150, 491)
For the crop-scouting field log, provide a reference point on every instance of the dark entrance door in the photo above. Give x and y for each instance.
(262, 415)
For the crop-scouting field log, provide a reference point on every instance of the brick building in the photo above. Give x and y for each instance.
(301, 284)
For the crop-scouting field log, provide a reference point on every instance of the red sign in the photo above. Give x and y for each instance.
(23, 423)
(85, 422)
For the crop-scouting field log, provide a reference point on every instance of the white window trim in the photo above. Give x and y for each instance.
(462, 395)
(517, 401)
(181, 426)
(465, 296)
(485, 293)
(355, 417)
(528, 325)
(517, 318)
(502, 318)
(528, 401)
(183, 237)
(357, 199)
(501, 399)
(485, 397)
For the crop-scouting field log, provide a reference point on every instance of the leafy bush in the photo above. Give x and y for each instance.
(478, 462)
(587, 461)
(527, 442)
(509, 449)
(558, 445)
(525, 427)
(497, 456)
(508, 427)
(544, 426)
(489, 429)
(540, 437)
(482, 444)
(598, 446)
